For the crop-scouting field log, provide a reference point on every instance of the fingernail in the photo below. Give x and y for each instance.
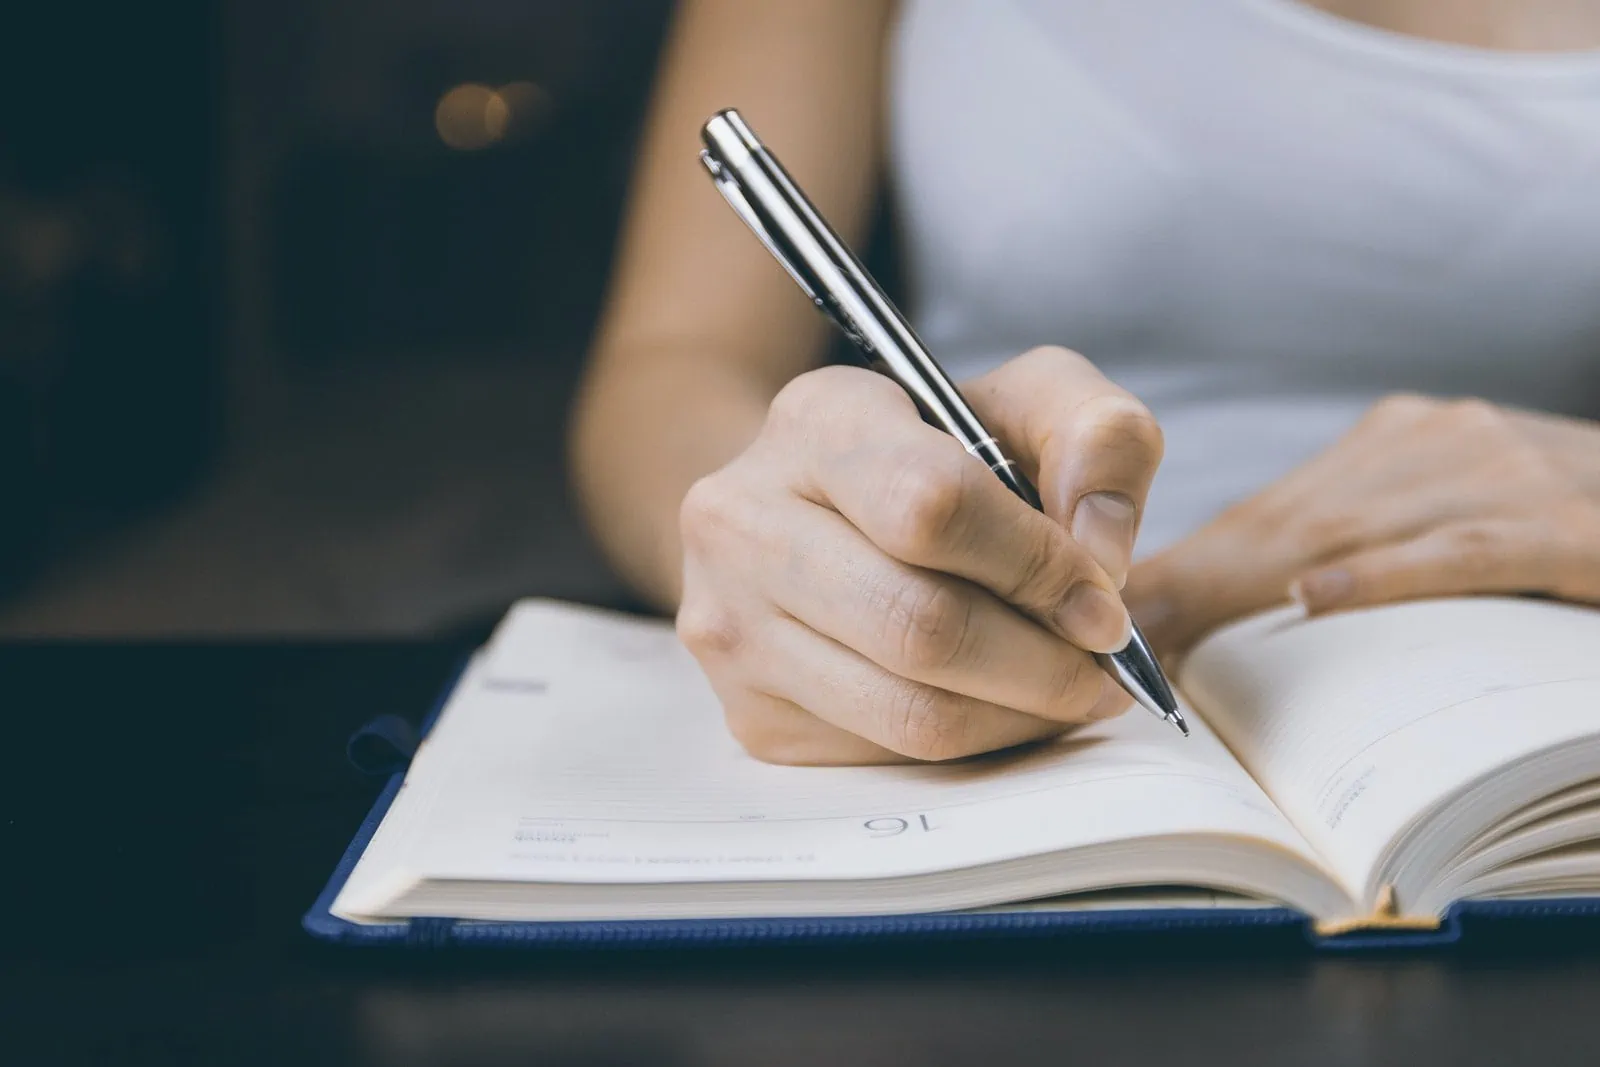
(1322, 589)
(1103, 524)
(1094, 619)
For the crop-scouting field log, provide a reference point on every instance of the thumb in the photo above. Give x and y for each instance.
(1090, 446)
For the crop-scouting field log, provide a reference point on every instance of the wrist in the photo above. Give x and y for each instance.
(644, 430)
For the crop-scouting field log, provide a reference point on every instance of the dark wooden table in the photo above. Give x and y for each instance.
(169, 812)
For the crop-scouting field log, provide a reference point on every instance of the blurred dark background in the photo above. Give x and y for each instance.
(292, 299)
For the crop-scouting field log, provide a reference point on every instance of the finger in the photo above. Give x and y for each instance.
(1214, 576)
(909, 718)
(719, 635)
(926, 626)
(1114, 700)
(775, 730)
(1090, 445)
(915, 493)
(1561, 560)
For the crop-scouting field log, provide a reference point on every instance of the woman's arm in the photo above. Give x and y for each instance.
(702, 327)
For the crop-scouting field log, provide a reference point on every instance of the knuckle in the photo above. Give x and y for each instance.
(816, 394)
(726, 508)
(1486, 444)
(800, 397)
(705, 508)
(928, 624)
(1474, 413)
(1050, 356)
(1487, 437)
(1045, 569)
(708, 629)
(1402, 407)
(1119, 422)
(923, 506)
(925, 725)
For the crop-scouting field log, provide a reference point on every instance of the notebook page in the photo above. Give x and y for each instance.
(1358, 722)
(588, 747)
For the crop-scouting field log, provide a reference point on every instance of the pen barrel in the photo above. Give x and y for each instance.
(786, 221)
(987, 451)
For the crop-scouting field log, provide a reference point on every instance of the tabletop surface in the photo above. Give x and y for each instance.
(169, 812)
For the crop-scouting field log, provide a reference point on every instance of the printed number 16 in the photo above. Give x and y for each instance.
(889, 826)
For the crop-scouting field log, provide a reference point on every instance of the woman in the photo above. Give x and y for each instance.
(1299, 235)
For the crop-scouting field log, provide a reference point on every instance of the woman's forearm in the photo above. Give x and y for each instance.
(642, 437)
(701, 328)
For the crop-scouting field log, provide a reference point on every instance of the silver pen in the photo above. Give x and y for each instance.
(761, 191)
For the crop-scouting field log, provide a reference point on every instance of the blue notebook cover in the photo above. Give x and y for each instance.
(444, 931)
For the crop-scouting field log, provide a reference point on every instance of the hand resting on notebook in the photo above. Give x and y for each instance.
(859, 590)
(1422, 498)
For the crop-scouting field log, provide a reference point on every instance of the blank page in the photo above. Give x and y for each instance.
(1357, 723)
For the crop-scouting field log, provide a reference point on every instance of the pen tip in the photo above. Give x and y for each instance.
(1142, 675)
(1177, 719)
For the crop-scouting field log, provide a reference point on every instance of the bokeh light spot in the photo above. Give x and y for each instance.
(470, 117)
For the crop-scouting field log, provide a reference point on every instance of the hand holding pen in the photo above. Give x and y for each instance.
(859, 588)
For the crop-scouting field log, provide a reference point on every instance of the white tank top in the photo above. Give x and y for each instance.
(1256, 216)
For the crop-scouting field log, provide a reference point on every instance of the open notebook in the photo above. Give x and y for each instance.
(1366, 769)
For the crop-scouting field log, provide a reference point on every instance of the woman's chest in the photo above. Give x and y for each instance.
(1226, 178)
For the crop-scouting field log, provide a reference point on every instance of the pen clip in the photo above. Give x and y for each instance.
(728, 185)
